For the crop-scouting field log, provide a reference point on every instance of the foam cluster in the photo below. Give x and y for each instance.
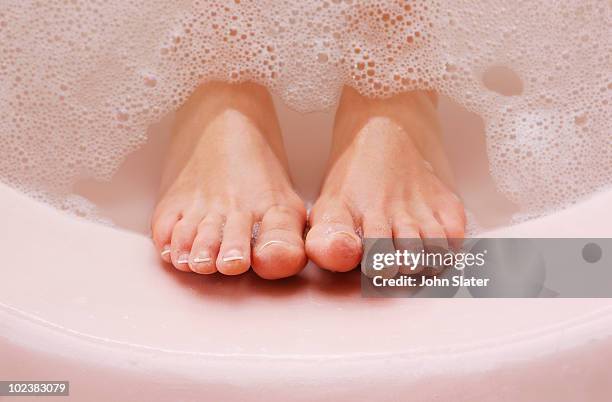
(81, 80)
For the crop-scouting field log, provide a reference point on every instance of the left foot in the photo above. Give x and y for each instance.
(226, 171)
(388, 177)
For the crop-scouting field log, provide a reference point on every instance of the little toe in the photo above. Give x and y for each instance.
(162, 226)
(332, 242)
(279, 249)
(235, 253)
(183, 236)
(206, 245)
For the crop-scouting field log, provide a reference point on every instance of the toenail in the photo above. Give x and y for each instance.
(202, 258)
(165, 251)
(345, 234)
(271, 242)
(183, 259)
(201, 263)
(232, 255)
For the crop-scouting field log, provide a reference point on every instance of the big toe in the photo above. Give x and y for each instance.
(279, 249)
(334, 246)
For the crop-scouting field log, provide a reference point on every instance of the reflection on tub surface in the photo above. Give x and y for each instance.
(75, 288)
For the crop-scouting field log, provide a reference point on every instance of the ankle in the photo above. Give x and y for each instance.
(355, 108)
(212, 98)
(414, 111)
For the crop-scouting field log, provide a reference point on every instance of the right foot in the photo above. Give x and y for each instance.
(226, 171)
(388, 178)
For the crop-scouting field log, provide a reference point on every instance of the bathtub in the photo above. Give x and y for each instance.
(93, 305)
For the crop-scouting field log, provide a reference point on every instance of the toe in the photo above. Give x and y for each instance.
(332, 242)
(162, 226)
(182, 239)
(406, 237)
(432, 234)
(235, 253)
(452, 219)
(376, 226)
(279, 249)
(434, 240)
(378, 238)
(206, 245)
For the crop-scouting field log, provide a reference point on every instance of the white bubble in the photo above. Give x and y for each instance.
(538, 75)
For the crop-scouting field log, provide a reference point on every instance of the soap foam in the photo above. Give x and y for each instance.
(80, 81)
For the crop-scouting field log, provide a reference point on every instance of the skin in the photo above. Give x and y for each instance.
(388, 176)
(226, 171)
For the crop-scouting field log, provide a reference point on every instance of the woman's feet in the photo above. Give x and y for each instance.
(388, 177)
(226, 172)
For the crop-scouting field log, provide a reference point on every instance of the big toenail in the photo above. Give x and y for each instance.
(271, 242)
(232, 255)
(165, 251)
(345, 234)
(183, 259)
